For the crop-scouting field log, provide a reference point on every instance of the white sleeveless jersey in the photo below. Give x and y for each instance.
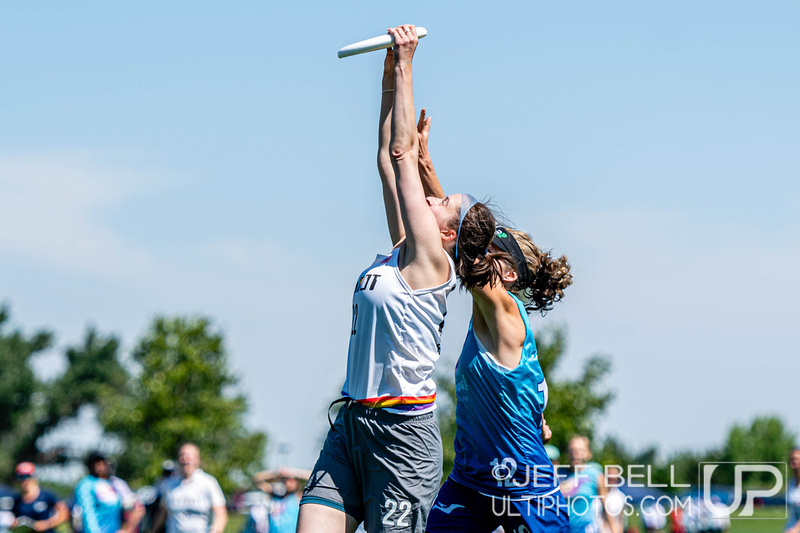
(395, 339)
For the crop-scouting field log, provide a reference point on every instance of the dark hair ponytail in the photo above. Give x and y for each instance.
(476, 233)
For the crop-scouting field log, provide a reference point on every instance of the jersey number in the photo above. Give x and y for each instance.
(355, 316)
(503, 471)
(394, 505)
(543, 388)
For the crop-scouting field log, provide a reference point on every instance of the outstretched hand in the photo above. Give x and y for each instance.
(423, 130)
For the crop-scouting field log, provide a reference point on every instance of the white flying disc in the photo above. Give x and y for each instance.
(376, 43)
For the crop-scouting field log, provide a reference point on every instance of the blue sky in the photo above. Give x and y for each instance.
(190, 157)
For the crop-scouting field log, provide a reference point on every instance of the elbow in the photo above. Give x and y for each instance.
(400, 150)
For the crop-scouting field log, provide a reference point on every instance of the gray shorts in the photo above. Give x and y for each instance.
(380, 468)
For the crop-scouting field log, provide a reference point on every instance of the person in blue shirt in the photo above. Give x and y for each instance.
(43, 510)
(584, 485)
(102, 500)
(280, 511)
(502, 474)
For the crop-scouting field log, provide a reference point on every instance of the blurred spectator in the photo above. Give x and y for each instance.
(581, 486)
(553, 454)
(107, 503)
(6, 516)
(719, 516)
(285, 487)
(615, 500)
(654, 517)
(793, 493)
(677, 520)
(154, 501)
(39, 509)
(192, 502)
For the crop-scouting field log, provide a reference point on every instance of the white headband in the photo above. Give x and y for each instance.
(467, 201)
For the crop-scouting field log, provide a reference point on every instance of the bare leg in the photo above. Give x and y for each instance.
(316, 518)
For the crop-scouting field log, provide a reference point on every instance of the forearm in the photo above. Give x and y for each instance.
(430, 182)
(404, 131)
(54, 521)
(385, 169)
(220, 520)
(134, 518)
(385, 132)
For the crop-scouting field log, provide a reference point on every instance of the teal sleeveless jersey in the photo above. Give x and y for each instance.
(499, 448)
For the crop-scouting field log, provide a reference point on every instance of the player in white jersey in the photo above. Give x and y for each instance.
(192, 502)
(381, 462)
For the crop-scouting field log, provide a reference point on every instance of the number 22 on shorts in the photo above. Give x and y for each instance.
(403, 507)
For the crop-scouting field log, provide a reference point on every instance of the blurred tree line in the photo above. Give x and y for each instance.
(176, 387)
(576, 406)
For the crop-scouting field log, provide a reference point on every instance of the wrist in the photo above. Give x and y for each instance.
(402, 68)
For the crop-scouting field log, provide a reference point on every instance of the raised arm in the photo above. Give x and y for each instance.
(495, 316)
(390, 201)
(423, 257)
(430, 183)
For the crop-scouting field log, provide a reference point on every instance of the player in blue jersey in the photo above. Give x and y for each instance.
(502, 474)
(381, 463)
(584, 486)
(102, 500)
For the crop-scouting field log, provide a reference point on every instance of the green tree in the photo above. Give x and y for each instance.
(21, 393)
(29, 408)
(765, 440)
(183, 391)
(94, 371)
(574, 405)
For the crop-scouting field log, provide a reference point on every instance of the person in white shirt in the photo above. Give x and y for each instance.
(615, 501)
(193, 501)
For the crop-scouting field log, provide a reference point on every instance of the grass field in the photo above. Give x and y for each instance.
(767, 520)
(771, 520)
(235, 523)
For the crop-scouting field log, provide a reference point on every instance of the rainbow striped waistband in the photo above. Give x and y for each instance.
(402, 403)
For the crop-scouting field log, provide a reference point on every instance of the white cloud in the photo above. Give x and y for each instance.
(51, 205)
(273, 303)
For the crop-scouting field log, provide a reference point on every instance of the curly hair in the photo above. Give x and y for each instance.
(547, 276)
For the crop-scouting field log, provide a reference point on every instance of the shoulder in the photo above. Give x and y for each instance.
(207, 479)
(495, 297)
(84, 488)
